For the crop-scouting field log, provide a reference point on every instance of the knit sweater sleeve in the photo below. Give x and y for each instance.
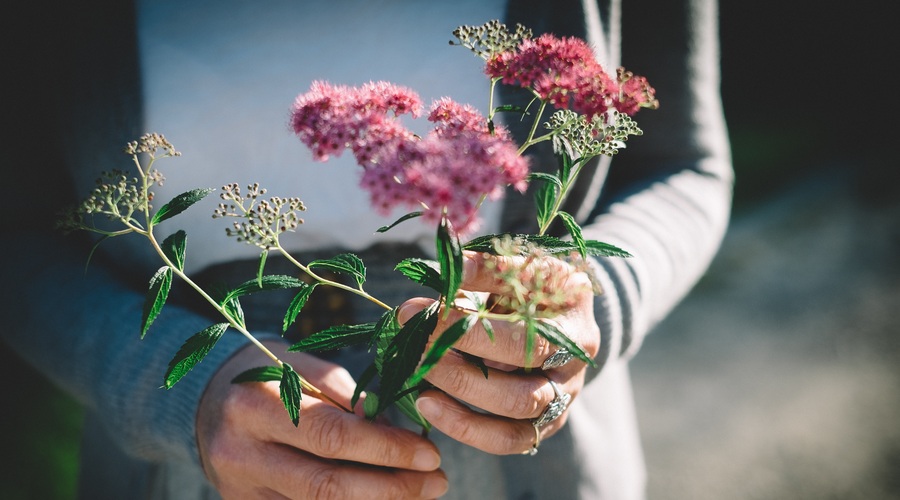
(80, 328)
(668, 195)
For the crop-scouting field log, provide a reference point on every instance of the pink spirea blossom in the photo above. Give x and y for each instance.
(565, 73)
(447, 171)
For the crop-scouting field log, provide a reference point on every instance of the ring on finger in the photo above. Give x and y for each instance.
(555, 408)
(559, 358)
(537, 442)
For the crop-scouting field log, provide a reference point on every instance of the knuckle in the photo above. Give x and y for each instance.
(518, 405)
(326, 483)
(458, 382)
(327, 436)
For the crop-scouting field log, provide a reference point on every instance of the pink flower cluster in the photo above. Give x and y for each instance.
(448, 171)
(565, 73)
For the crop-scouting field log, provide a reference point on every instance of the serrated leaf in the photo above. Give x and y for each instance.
(272, 282)
(545, 200)
(174, 248)
(345, 263)
(411, 215)
(179, 204)
(575, 231)
(556, 337)
(450, 257)
(403, 353)
(385, 330)
(440, 346)
(423, 272)
(600, 249)
(192, 352)
(156, 296)
(234, 310)
(296, 305)
(259, 374)
(336, 337)
(548, 178)
(262, 265)
(291, 394)
(549, 244)
(362, 382)
(565, 164)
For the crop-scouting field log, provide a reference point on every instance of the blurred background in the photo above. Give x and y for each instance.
(779, 376)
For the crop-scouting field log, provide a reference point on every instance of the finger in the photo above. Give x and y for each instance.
(275, 471)
(489, 433)
(327, 431)
(511, 395)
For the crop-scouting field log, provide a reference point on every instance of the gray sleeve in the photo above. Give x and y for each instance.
(81, 330)
(668, 195)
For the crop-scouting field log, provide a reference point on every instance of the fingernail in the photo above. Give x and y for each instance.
(469, 268)
(434, 487)
(406, 311)
(429, 408)
(426, 459)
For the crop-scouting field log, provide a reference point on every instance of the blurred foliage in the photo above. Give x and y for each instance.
(41, 437)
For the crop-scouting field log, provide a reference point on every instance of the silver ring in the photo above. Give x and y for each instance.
(537, 442)
(556, 407)
(557, 359)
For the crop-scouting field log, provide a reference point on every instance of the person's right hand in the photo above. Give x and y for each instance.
(250, 448)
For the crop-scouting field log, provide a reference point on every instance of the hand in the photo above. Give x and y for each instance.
(250, 448)
(511, 397)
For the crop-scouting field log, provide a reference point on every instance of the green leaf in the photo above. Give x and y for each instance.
(272, 282)
(362, 382)
(262, 265)
(371, 405)
(386, 330)
(158, 292)
(233, 310)
(441, 345)
(476, 361)
(565, 166)
(407, 405)
(450, 257)
(336, 337)
(555, 336)
(507, 108)
(296, 305)
(549, 244)
(545, 200)
(548, 178)
(488, 328)
(423, 272)
(411, 215)
(290, 392)
(192, 352)
(179, 204)
(345, 263)
(600, 249)
(403, 353)
(574, 230)
(174, 248)
(259, 374)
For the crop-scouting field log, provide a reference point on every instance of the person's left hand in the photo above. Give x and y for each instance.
(511, 397)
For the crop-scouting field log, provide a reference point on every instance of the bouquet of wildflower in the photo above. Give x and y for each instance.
(443, 178)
